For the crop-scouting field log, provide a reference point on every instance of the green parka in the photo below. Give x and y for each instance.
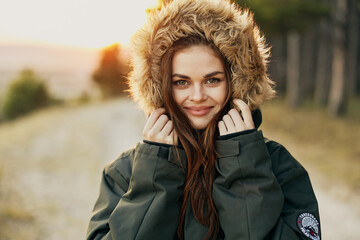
(261, 192)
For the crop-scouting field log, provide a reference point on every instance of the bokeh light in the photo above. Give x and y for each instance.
(83, 23)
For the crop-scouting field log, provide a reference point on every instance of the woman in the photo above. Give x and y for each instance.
(203, 171)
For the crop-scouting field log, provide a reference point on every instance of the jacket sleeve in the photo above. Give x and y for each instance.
(251, 202)
(300, 213)
(148, 207)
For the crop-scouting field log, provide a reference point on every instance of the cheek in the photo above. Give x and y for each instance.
(221, 95)
(178, 96)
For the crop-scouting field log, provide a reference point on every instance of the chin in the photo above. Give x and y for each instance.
(200, 125)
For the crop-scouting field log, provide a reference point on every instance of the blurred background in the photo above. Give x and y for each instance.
(65, 113)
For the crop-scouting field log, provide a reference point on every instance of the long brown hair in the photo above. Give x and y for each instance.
(198, 145)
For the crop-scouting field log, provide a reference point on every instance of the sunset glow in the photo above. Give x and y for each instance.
(83, 23)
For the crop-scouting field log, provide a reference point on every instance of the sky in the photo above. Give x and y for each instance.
(80, 23)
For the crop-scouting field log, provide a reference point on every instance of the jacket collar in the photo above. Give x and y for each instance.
(257, 117)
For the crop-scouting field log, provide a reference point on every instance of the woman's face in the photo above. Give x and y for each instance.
(198, 83)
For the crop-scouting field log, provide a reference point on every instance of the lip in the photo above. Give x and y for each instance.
(198, 111)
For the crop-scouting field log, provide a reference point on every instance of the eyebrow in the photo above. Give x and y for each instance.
(213, 74)
(180, 76)
(206, 76)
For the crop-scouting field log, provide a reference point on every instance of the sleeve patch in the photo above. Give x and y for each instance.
(309, 225)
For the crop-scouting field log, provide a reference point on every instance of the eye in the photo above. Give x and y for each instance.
(213, 80)
(181, 83)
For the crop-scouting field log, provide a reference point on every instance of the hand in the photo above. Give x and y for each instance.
(159, 128)
(236, 122)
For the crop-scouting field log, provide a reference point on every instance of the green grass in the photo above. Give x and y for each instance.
(14, 214)
(329, 145)
(354, 108)
(16, 222)
(15, 219)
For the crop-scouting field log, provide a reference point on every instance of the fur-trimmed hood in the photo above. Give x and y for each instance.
(231, 29)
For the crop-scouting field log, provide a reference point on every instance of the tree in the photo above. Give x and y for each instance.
(282, 16)
(337, 96)
(353, 46)
(323, 63)
(292, 19)
(111, 73)
(25, 94)
(293, 69)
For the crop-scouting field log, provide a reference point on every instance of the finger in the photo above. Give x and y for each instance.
(167, 128)
(159, 124)
(173, 138)
(222, 128)
(229, 123)
(246, 113)
(237, 119)
(153, 118)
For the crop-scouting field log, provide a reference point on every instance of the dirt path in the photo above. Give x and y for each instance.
(53, 161)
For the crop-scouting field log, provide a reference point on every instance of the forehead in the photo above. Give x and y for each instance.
(196, 60)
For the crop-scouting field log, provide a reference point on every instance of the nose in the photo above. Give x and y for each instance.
(198, 93)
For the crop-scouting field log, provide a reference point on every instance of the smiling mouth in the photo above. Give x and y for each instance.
(198, 111)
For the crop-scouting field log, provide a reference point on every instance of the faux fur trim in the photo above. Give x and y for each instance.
(231, 29)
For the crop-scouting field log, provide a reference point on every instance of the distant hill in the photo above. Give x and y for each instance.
(67, 70)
